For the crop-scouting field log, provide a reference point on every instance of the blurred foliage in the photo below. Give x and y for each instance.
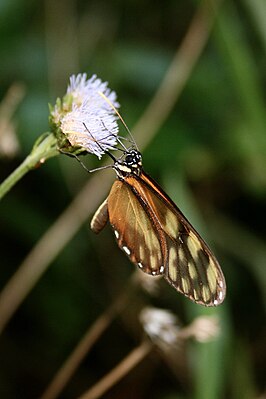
(209, 156)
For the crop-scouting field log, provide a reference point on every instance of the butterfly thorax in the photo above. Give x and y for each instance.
(130, 164)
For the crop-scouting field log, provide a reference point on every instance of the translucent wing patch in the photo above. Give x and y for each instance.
(192, 270)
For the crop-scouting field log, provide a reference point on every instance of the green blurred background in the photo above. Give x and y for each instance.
(209, 155)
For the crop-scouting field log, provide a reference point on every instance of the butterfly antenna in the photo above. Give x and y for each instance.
(122, 144)
(117, 138)
(99, 145)
(119, 116)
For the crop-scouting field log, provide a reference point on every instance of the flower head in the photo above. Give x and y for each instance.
(164, 329)
(86, 115)
(204, 328)
(160, 325)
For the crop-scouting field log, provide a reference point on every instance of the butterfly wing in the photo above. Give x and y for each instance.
(157, 237)
(100, 217)
(190, 267)
(133, 228)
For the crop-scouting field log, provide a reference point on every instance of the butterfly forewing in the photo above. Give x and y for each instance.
(133, 229)
(190, 266)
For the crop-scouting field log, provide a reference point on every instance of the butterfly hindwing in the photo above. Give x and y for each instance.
(100, 217)
(133, 229)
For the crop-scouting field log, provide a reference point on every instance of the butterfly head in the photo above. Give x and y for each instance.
(130, 163)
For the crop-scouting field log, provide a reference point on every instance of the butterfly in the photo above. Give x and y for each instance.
(155, 235)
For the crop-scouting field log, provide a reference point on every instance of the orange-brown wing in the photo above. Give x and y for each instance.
(134, 230)
(188, 263)
(158, 238)
(100, 217)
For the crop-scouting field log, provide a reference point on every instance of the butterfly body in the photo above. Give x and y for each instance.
(156, 236)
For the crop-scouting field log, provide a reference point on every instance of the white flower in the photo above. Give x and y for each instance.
(86, 116)
(95, 130)
(204, 328)
(160, 325)
(164, 330)
(83, 89)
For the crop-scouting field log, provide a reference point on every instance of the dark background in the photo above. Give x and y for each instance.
(209, 155)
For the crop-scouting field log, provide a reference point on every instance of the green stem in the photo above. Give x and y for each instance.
(43, 149)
